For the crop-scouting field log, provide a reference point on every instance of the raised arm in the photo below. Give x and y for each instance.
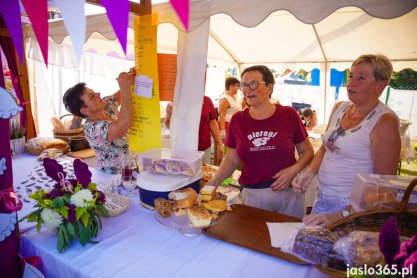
(120, 126)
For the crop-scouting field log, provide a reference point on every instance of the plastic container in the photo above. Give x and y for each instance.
(371, 191)
(159, 186)
(172, 162)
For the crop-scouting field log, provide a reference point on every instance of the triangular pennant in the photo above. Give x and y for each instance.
(74, 20)
(182, 8)
(37, 11)
(10, 11)
(118, 13)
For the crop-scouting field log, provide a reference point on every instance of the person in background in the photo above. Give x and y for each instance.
(106, 128)
(228, 104)
(208, 127)
(309, 118)
(264, 138)
(362, 137)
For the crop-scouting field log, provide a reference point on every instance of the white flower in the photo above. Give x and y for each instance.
(81, 198)
(51, 218)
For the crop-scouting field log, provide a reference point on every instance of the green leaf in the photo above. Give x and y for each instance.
(64, 212)
(55, 202)
(65, 233)
(70, 229)
(101, 210)
(38, 226)
(61, 242)
(79, 211)
(61, 202)
(84, 232)
(84, 218)
(67, 199)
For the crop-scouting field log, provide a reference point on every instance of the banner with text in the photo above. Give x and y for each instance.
(145, 132)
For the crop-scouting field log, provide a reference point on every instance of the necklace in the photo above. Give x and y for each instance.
(354, 123)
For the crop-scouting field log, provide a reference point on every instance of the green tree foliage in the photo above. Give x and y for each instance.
(404, 80)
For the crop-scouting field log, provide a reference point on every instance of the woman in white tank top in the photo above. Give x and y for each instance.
(362, 137)
(228, 104)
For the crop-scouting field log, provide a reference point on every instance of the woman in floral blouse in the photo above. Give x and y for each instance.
(106, 127)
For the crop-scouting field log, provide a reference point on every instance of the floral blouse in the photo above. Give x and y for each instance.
(108, 154)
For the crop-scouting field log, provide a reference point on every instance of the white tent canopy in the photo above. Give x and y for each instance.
(293, 34)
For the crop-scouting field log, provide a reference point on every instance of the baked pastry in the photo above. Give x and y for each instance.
(199, 216)
(219, 196)
(377, 196)
(183, 198)
(316, 246)
(216, 207)
(359, 248)
(207, 192)
(175, 167)
(163, 207)
(38, 144)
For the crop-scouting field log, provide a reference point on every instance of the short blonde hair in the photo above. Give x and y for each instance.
(381, 65)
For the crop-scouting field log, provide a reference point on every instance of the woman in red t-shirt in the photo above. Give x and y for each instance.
(264, 138)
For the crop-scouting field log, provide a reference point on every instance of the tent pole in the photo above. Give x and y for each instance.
(325, 71)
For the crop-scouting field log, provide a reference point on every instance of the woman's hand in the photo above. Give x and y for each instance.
(302, 181)
(220, 151)
(283, 179)
(125, 80)
(321, 219)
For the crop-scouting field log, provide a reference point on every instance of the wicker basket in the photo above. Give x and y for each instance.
(116, 204)
(66, 134)
(373, 220)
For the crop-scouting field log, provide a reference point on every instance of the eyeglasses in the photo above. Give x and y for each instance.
(253, 85)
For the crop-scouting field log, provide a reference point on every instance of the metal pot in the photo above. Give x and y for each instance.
(78, 143)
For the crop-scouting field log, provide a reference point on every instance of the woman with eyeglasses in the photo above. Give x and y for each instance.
(264, 138)
(362, 137)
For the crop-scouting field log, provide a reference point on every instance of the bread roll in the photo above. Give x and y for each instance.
(183, 198)
(216, 206)
(199, 216)
(163, 207)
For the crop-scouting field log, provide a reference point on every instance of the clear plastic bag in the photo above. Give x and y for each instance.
(359, 248)
(315, 245)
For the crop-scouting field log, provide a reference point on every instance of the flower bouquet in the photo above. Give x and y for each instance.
(73, 206)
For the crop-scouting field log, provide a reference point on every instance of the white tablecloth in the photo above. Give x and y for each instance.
(134, 244)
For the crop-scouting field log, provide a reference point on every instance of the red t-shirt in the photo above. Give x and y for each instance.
(208, 113)
(265, 146)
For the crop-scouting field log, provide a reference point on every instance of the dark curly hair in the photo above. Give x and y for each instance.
(72, 99)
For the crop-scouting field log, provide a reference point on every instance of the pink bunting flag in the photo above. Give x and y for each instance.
(182, 8)
(118, 13)
(37, 11)
(10, 11)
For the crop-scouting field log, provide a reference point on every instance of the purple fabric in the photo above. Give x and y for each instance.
(8, 48)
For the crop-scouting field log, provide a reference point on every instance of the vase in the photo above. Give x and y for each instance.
(17, 146)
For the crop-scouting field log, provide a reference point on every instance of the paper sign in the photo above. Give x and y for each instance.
(167, 74)
(143, 86)
(145, 132)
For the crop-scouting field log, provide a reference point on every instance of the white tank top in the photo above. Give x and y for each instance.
(352, 152)
(235, 106)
